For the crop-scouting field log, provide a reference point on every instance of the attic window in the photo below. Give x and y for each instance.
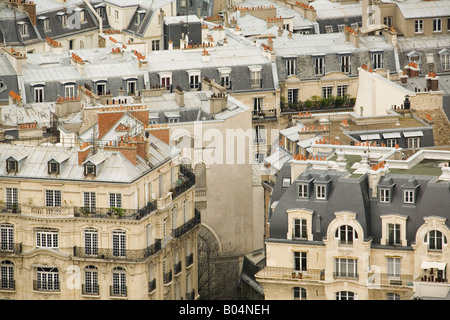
(11, 165)
(385, 195)
(53, 167)
(89, 169)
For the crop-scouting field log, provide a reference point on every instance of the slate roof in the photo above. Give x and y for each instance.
(353, 194)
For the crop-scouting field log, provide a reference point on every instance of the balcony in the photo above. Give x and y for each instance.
(385, 279)
(115, 254)
(167, 277)
(269, 114)
(289, 274)
(152, 286)
(188, 226)
(10, 207)
(9, 285)
(90, 290)
(52, 286)
(177, 268)
(186, 181)
(118, 291)
(190, 295)
(345, 275)
(115, 213)
(32, 210)
(189, 260)
(10, 248)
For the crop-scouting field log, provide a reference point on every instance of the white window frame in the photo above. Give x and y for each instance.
(390, 143)
(156, 45)
(345, 268)
(299, 293)
(90, 242)
(6, 237)
(414, 143)
(258, 105)
(346, 234)
(393, 236)
(321, 191)
(11, 197)
(115, 200)
(393, 266)
(119, 243)
(300, 229)
(445, 61)
(39, 93)
(341, 90)
(91, 280)
(53, 198)
(377, 60)
(408, 196)
(319, 66)
(385, 195)
(291, 67)
(89, 201)
(47, 239)
(47, 279)
(345, 295)
(418, 26)
(300, 261)
(69, 90)
(292, 95)
(7, 275)
(327, 91)
(119, 282)
(303, 190)
(131, 84)
(345, 63)
(437, 25)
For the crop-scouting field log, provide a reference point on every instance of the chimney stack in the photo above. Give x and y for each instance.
(218, 102)
(179, 96)
(432, 81)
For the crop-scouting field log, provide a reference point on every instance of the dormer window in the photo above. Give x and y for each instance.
(286, 182)
(11, 165)
(409, 191)
(300, 230)
(303, 190)
(53, 167)
(385, 195)
(23, 27)
(321, 192)
(435, 240)
(385, 190)
(89, 169)
(62, 18)
(321, 187)
(346, 234)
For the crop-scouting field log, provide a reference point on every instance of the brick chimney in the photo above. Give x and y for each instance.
(412, 70)
(127, 148)
(107, 117)
(179, 96)
(83, 153)
(432, 81)
(160, 131)
(28, 7)
(218, 102)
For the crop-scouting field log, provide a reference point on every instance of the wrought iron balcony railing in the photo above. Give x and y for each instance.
(121, 254)
(118, 291)
(177, 268)
(190, 295)
(168, 277)
(152, 285)
(10, 248)
(187, 180)
(90, 289)
(189, 260)
(46, 285)
(189, 225)
(6, 284)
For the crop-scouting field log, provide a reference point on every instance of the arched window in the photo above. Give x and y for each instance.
(435, 240)
(90, 285)
(299, 293)
(345, 295)
(200, 176)
(6, 237)
(119, 243)
(119, 282)
(7, 275)
(346, 234)
(47, 279)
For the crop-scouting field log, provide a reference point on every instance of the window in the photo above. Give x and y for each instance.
(341, 27)
(258, 105)
(291, 68)
(90, 280)
(23, 29)
(303, 190)
(418, 26)
(327, 91)
(408, 196)
(299, 261)
(47, 279)
(319, 66)
(299, 293)
(390, 143)
(225, 81)
(256, 80)
(101, 12)
(52, 198)
(387, 21)
(300, 231)
(115, 200)
(260, 133)
(435, 240)
(90, 242)
(377, 60)
(155, 45)
(46, 24)
(292, 95)
(38, 94)
(11, 165)
(6, 237)
(82, 16)
(138, 18)
(393, 267)
(345, 63)
(119, 282)
(194, 82)
(7, 275)
(445, 61)
(174, 217)
(345, 268)
(414, 143)
(392, 296)
(385, 195)
(69, 91)
(63, 19)
(89, 201)
(320, 192)
(131, 87)
(342, 90)
(185, 211)
(53, 167)
(393, 235)
(47, 238)
(12, 198)
(345, 295)
(183, 3)
(116, 14)
(89, 169)
(161, 185)
(346, 234)
(437, 25)
(118, 243)
(329, 29)
(101, 88)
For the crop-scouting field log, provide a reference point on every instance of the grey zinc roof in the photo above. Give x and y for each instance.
(146, 4)
(424, 9)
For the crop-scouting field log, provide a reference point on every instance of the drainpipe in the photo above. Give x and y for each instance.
(100, 20)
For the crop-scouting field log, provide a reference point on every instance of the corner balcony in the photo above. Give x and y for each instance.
(188, 226)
